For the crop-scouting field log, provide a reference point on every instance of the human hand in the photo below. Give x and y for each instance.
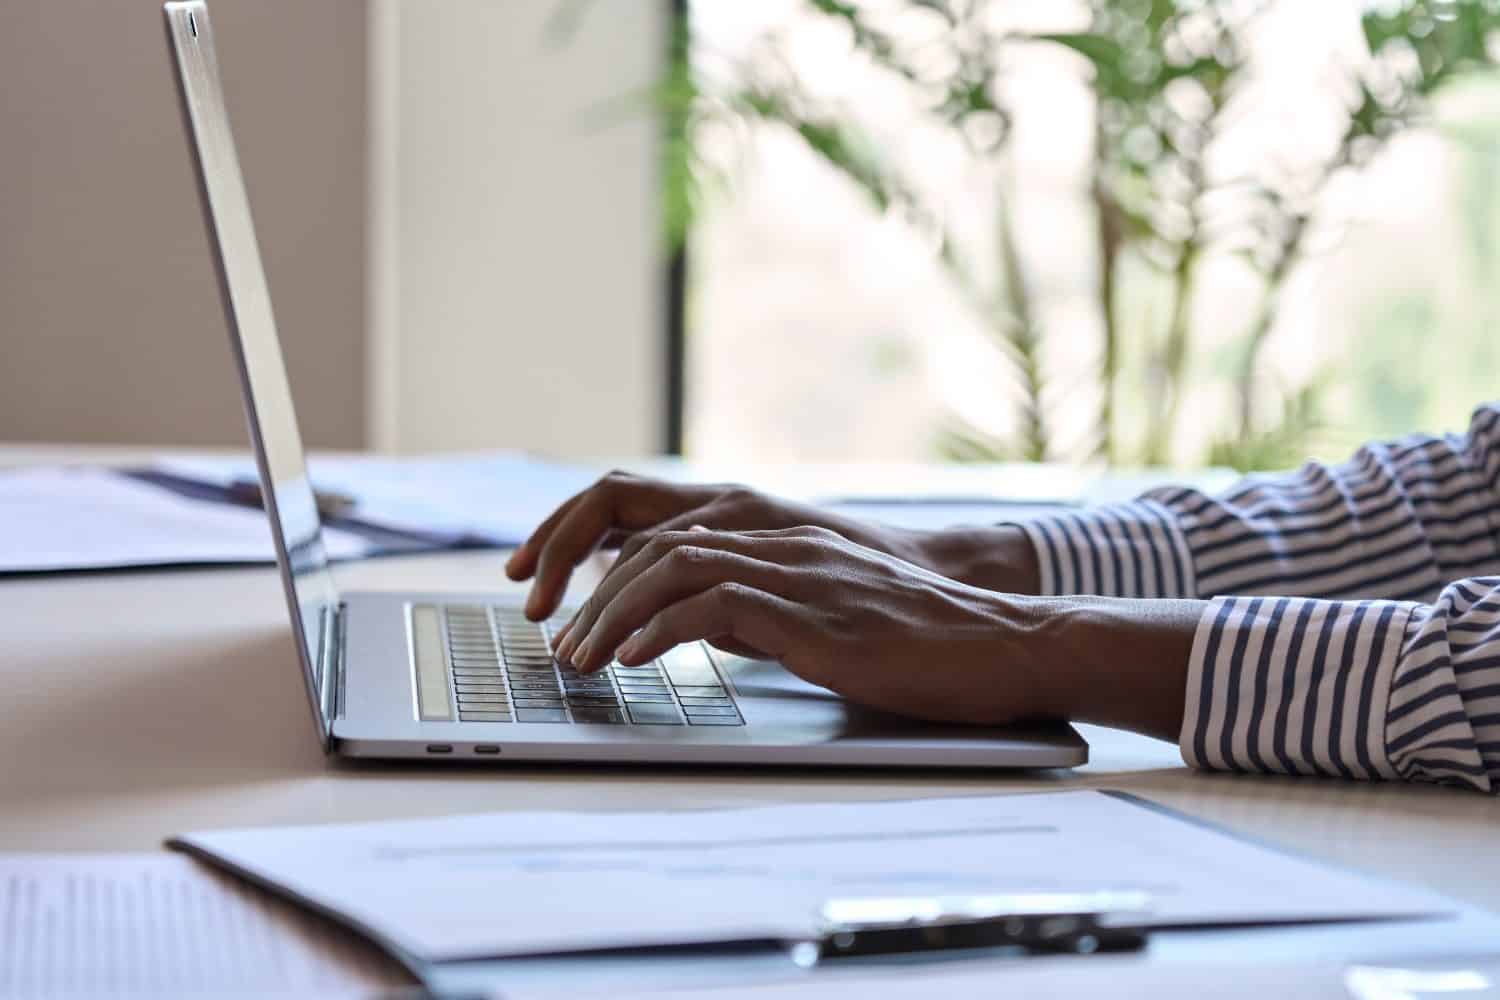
(871, 627)
(632, 509)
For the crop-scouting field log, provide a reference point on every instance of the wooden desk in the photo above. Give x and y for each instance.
(138, 705)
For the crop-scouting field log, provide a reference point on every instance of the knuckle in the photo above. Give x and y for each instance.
(661, 543)
(691, 555)
(728, 594)
(741, 496)
(613, 481)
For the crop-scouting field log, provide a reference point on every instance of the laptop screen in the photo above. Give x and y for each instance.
(289, 501)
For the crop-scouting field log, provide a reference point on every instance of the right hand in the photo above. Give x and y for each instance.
(631, 509)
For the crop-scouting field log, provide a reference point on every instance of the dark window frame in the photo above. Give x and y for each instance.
(674, 314)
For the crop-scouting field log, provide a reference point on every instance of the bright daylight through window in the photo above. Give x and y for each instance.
(1145, 231)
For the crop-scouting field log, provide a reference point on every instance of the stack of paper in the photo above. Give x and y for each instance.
(65, 519)
(490, 499)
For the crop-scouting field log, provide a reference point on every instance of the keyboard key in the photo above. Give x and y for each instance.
(484, 717)
(635, 698)
(645, 688)
(599, 716)
(714, 720)
(706, 701)
(479, 687)
(538, 699)
(655, 715)
(541, 714)
(695, 711)
(689, 665)
(467, 698)
(523, 684)
(605, 702)
(701, 691)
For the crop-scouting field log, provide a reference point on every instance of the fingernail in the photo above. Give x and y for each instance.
(629, 651)
(581, 658)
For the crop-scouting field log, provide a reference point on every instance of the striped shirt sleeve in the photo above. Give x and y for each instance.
(1397, 521)
(1352, 689)
(1354, 626)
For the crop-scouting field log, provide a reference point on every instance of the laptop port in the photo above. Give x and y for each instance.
(439, 748)
(486, 748)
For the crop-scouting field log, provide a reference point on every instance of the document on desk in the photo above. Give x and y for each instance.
(1037, 979)
(76, 518)
(162, 925)
(524, 883)
(495, 498)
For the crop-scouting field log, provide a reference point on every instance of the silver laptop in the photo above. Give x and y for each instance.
(465, 676)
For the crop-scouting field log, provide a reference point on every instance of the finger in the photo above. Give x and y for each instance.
(522, 562)
(743, 614)
(616, 501)
(659, 548)
(731, 509)
(710, 516)
(683, 572)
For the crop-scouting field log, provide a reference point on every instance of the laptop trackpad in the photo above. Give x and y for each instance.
(771, 695)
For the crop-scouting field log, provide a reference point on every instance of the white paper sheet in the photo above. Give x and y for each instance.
(1118, 978)
(1031, 979)
(162, 925)
(80, 518)
(518, 883)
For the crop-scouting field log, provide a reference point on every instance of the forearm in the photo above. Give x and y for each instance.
(1116, 662)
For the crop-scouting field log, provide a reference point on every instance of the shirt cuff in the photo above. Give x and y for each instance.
(1297, 686)
(1118, 550)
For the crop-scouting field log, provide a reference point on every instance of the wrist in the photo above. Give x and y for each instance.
(1116, 662)
(998, 558)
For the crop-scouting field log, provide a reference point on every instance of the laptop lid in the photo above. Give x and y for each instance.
(311, 594)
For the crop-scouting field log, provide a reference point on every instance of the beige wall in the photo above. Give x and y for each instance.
(110, 326)
(516, 267)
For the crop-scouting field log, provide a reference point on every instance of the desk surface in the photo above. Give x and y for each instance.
(138, 705)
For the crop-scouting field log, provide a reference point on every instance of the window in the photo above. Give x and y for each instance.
(875, 276)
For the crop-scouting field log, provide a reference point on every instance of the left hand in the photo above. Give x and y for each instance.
(877, 630)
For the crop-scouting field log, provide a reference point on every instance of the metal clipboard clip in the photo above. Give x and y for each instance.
(1029, 923)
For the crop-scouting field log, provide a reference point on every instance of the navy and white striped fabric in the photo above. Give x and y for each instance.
(1354, 626)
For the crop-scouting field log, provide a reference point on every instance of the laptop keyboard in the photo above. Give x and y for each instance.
(503, 671)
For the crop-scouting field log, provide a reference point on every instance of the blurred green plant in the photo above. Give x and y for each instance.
(1163, 75)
